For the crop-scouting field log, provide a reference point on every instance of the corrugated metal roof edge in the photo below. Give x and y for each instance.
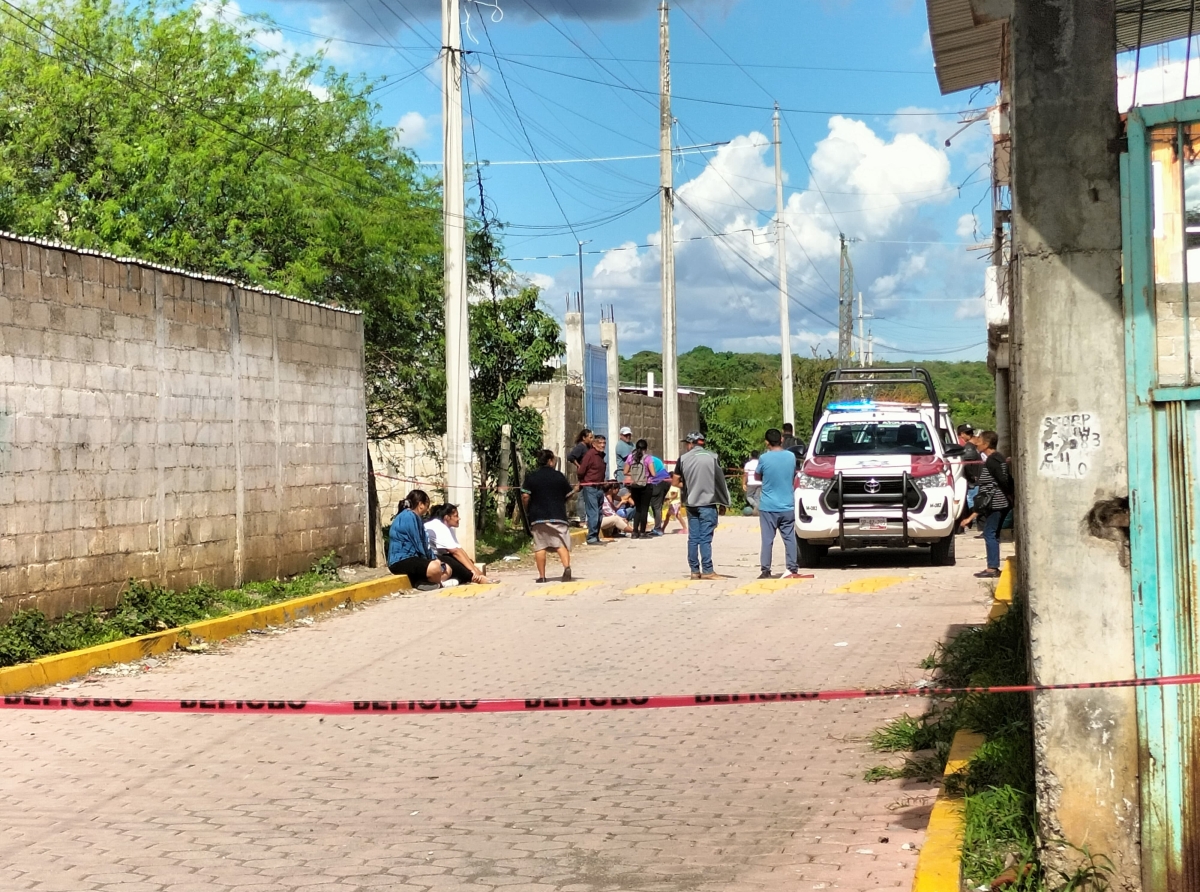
(149, 264)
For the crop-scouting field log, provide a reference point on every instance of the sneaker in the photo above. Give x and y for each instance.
(594, 542)
(989, 573)
(449, 583)
(541, 579)
(656, 533)
(566, 577)
(428, 587)
(793, 574)
(766, 574)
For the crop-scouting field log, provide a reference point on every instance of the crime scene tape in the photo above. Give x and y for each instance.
(546, 704)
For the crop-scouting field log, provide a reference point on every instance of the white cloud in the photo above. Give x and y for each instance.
(874, 188)
(412, 129)
(971, 308)
(1155, 83)
(968, 226)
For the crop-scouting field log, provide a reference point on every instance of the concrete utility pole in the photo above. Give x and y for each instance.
(785, 326)
(608, 339)
(460, 482)
(862, 345)
(670, 385)
(845, 303)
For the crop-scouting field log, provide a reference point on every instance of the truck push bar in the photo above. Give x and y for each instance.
(874, 377)
(906, 486)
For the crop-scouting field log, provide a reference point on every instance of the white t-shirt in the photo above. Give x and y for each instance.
(750, 467)
(441, 537)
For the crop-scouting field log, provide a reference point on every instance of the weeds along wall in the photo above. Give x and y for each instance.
(163, 426)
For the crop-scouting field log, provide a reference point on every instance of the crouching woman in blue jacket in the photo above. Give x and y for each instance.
(408, 551)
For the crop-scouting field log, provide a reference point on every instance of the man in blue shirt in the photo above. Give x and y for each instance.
(776, 508)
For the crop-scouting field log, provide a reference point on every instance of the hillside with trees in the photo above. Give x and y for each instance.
(743, 394)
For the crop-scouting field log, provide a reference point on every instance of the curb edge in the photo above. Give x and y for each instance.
(74, 663)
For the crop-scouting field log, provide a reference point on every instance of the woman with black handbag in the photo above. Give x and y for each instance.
(993, 501)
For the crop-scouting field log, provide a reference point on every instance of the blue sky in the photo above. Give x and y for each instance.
(862, 139)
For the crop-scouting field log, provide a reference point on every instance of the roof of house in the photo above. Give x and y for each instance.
(968, 43)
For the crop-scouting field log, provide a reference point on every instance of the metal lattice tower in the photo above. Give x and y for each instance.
(845, 304)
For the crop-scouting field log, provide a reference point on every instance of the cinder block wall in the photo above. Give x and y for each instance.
(162, 426)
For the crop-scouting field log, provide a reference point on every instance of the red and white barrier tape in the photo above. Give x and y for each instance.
(545, 704)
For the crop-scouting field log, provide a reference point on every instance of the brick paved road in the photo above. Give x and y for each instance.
(759, 797)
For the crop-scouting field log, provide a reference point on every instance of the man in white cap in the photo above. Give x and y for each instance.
(624, 446)
(701, 479)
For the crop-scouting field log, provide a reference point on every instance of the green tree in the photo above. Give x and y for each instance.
(513, 340)
(153, 131)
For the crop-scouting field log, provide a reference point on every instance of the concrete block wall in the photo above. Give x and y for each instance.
(561, 407)
(161, 426)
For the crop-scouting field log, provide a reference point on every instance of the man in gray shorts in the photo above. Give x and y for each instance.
(544, 495)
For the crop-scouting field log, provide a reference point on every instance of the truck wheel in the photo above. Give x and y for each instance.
(810, 555)
(941, 553)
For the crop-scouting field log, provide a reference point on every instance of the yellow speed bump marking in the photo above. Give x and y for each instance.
(563, 588)
(467, 591)
(869, 585)
(666, 587)
(766, 586)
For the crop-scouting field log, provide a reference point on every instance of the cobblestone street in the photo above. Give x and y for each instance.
(744, 797)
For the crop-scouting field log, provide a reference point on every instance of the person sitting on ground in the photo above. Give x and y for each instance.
(625, 504)
(440, 526)
(544, 495)
(408, 551)
(612, 523)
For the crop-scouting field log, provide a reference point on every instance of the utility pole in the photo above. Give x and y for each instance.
(870, 349)
(460, 482)
(785, 326)
(670, 384)
(845, 303)
(862, 345)
(582, 316)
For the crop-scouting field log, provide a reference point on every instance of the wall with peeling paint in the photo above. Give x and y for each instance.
(1070, 445)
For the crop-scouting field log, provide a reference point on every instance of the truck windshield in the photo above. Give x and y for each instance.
(874, 438)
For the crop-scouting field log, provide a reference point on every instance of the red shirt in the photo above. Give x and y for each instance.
(592, 467)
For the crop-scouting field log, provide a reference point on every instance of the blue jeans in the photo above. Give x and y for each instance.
(591, 496)
(702, 523)
(785, 523)
(991, 537)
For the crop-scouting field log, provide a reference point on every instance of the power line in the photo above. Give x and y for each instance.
(682, 150)
(749, 105)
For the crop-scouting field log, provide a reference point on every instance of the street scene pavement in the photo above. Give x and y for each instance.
(740, 797)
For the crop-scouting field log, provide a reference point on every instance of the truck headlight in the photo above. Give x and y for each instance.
(933, 481)
(821, 484)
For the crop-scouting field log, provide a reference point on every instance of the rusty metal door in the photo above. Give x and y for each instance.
(1160, 179)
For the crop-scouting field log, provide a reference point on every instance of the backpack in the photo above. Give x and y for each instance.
(635, 473)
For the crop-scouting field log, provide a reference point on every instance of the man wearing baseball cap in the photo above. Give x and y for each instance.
(624, 446)
(701, 479)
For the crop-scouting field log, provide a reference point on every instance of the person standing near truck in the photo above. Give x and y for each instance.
(777, 507)
(701, 478)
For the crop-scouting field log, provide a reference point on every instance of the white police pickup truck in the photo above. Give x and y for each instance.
(879, 474)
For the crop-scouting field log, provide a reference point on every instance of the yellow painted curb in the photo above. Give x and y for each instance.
(939, 866)
(62, 667)
(1004, 585)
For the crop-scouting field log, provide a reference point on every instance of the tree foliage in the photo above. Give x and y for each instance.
(158, 131)
(744, 393)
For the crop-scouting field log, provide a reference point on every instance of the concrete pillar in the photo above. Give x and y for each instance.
(1003, 427)
(1067, 346)
(573, 335)
(608, 338)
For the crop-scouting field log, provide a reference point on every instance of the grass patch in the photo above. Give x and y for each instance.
(1000, 832)
(492, 545)
(144, 607)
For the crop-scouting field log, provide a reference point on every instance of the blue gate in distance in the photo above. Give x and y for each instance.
(595, 389)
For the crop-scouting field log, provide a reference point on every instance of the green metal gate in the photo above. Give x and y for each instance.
(1160, 194)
